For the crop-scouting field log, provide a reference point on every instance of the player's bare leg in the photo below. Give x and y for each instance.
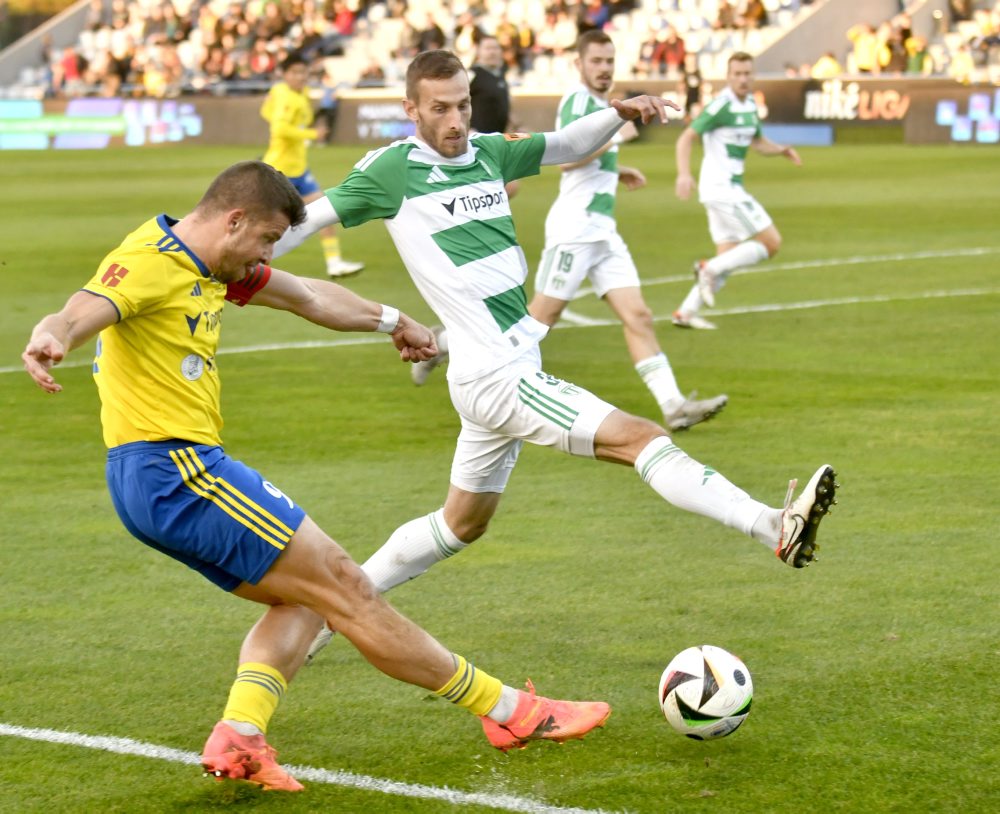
(652, 364)
(315, 579)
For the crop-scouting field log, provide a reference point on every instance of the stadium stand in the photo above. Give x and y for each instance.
(164, 48)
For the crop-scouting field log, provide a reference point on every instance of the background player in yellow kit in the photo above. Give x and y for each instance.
(290, 115)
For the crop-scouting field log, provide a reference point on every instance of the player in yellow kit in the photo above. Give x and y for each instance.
(156, 302)
(290, 115)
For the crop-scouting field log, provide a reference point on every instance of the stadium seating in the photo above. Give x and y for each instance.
(159, 47)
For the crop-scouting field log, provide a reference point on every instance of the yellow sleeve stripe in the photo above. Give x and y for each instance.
(231, 500)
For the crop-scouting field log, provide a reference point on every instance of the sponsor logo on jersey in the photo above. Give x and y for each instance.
(114, 275)
(212, 320)
(476, 203)
(196, 291)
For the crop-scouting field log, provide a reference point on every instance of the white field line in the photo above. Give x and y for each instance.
(832, 262)
(572, 319)
(579, 321)
(127, 746)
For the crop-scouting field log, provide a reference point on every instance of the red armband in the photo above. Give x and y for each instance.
(242, 291)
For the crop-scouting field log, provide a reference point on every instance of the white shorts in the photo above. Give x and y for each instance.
(606, 263)
(518, 403)
(736, 221)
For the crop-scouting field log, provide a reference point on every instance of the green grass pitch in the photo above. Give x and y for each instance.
(871, 342)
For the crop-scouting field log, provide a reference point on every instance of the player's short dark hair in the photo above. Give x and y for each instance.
(293, 59)
(256, 187)
(437, 64)
(739, 56)
(592, 37)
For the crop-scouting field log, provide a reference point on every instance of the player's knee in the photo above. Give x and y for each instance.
(639, 319)
(342, 584)
(643, 431)
(470, 529)
(547, 313)
(626, 438)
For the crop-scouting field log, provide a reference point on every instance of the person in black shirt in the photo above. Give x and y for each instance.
(488, 88)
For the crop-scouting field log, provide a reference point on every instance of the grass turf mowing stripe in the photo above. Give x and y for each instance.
(833, 262)
(127, 746)
(588, 322)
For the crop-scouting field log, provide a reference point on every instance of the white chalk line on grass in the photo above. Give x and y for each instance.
(572, 319)
(832, 262)
(127, 746)
(580, 321)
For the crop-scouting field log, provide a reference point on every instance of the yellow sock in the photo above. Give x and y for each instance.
(331, 247)
(473, 689)
(255, 694)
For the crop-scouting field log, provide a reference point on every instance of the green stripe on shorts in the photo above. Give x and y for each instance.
(546, 406)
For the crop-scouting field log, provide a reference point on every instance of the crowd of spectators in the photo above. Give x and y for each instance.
(166, 47)
(966, 47)
(892, 48)
(163, 47)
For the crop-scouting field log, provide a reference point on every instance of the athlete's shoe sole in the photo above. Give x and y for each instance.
(682, 320)
(694, 411)
(229, 755)
(801, 517)
(343, 268)
(540, 718)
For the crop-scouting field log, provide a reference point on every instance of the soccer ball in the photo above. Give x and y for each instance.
(705, 692)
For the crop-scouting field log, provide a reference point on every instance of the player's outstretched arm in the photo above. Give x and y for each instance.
(583, 137)
(340, 309)
(644, 108)
(627, 133)
(319, 214)
(685, 180)
(82, 316)
(765, 146)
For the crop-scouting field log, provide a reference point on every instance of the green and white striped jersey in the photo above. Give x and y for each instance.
(585, 208)
(727, 127)
(451, 222)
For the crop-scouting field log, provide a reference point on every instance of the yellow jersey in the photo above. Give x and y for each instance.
(155, 368)
(290, 115)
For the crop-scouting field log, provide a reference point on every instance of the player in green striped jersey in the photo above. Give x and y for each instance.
(582, 243)
(741, 229)
(441, 195)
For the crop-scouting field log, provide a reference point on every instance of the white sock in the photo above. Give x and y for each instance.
(689, 485)
(659, 378)
(244, 728)
(411, 550)
(503, 711)
(692, 302)
(747, 253)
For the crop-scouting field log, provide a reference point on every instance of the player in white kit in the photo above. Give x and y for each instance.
(582, 241)
(741, 229)
(441, 195)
